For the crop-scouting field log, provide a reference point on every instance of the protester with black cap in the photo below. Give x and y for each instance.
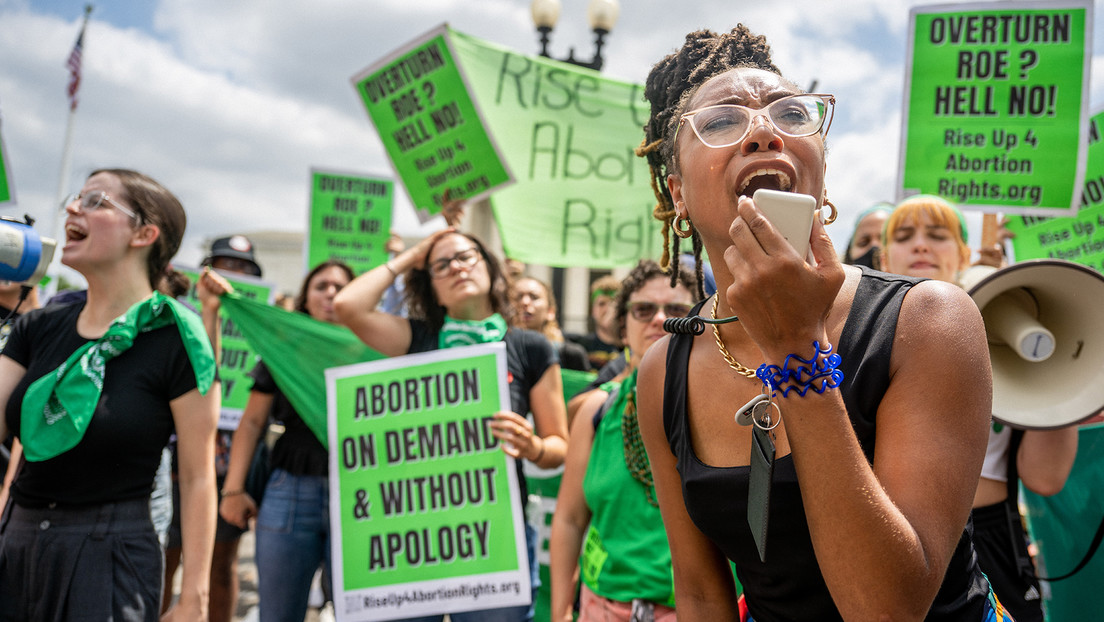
(233, 254)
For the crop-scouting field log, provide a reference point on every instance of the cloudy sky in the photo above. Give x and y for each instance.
(231, 103)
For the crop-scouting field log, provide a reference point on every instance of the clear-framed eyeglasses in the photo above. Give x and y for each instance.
(442, 267)
(96, 199)
(724, 125)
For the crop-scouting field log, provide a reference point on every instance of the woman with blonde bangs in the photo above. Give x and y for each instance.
(926, 237)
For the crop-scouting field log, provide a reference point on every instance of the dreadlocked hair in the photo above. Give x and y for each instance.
(670, 85)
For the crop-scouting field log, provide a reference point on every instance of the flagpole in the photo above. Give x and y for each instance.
(66, 156)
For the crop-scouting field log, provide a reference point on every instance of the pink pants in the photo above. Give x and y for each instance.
(594, 608)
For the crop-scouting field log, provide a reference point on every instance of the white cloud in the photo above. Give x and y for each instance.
(231, 103)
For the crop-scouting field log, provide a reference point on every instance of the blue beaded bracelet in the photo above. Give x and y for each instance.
(819, 373)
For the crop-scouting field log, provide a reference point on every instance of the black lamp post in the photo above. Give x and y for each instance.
(602, 15)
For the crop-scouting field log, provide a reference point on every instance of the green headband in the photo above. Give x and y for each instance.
(608, 293)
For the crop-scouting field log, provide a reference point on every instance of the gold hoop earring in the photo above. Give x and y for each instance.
(683, 230)
(832, 216)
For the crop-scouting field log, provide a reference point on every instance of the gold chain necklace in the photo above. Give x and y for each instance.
(740, 369)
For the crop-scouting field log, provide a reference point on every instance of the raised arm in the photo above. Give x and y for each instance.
(572, 516)
(356, 304)
(703, 580)
(884, 536)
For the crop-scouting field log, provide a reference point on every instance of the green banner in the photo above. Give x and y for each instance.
(996, 105)
(419, 102)
(1062, 527)
(582, 197)
(1079, 238)
(350, 220)
(424, 503)
(237, 358)
(297, 349)
(6, 193)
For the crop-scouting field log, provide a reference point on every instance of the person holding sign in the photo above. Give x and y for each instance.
(856, 445)
(293, 525)
(926, 237)
(606, 496)
(457, 295)
(93, 389)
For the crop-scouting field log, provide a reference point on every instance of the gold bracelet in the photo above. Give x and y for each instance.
(540, 453)
(232, 493)
(387, 264)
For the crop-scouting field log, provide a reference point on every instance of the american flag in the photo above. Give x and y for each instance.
(74, 65)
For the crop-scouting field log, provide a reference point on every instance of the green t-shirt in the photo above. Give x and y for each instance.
(626, 554)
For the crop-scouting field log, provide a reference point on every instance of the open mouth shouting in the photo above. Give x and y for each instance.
(772, 178)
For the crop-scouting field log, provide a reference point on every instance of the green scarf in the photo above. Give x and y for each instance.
(456, 333)
(58, 406)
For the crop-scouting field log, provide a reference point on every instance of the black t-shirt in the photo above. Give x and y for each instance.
(573, 356)
(599, 352)
(789, 586)
(121, 449)
(528, 356)
(297, 451)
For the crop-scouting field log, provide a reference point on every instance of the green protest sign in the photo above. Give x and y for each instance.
(237, 358)
(350, 220)
(432, 131)
(424, 504)
(1077, 238)
(996, 105)
(582, 197)
(6, 194)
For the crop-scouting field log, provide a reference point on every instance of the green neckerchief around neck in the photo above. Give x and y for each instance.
(456, 333)
(58, 406)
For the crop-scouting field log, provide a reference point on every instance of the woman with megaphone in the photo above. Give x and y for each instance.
(925, 236)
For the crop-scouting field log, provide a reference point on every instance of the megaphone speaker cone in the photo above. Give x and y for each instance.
(1045, 323)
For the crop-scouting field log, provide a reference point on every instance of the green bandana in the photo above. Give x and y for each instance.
(470, 332)
(58, 406)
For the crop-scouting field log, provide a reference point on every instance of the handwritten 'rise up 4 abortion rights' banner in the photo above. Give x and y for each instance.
(579, 197)
(996, 105)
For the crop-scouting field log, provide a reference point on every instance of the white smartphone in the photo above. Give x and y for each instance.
(790, 213)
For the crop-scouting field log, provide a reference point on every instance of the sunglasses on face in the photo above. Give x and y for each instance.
(463, 260)
(644, 311)
(724, 125)
(94, 200)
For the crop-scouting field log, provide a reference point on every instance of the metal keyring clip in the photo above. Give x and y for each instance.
(769, 424)
(747, 414)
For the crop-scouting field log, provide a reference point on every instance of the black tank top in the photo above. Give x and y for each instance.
(790, 586)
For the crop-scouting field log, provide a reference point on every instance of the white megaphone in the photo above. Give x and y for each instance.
(24, 256)
(1045, 323)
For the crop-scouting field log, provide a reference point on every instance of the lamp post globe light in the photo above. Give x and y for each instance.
(602, 15)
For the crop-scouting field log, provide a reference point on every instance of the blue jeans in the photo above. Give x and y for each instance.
(293, 539)
(520, 613)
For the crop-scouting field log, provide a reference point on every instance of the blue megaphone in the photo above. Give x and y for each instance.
(24, 255)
